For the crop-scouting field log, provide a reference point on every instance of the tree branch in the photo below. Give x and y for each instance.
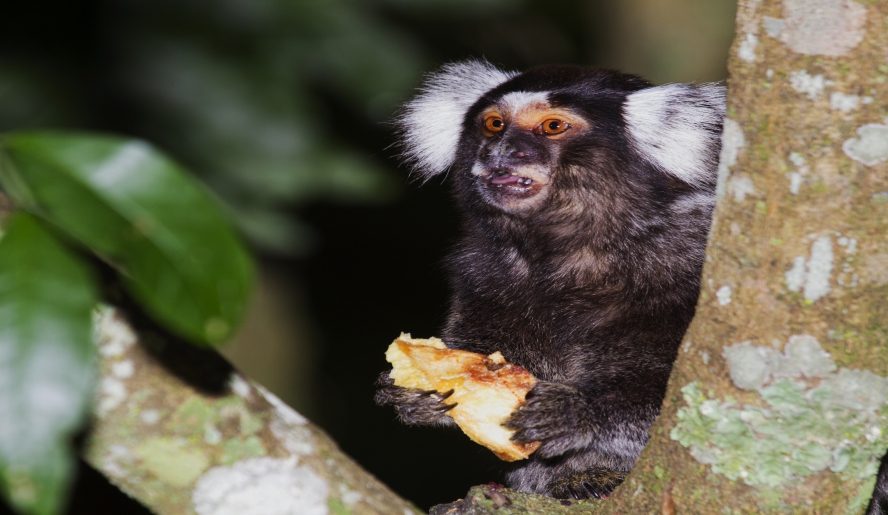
(183, 449)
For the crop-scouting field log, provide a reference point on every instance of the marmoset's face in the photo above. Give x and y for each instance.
(522, 139)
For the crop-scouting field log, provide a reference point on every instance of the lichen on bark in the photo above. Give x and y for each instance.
(184, 448)
(811, 417)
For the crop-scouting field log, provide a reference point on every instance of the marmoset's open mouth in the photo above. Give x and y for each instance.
(500, 178)
(513, 189)
(508, 182)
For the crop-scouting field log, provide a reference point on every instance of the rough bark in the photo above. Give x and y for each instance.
(219, 446)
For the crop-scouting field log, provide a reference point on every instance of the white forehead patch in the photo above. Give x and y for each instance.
(518, 101)
(431, 123)
(676, 126)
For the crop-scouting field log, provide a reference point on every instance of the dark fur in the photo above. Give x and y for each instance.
(591, 291)
(878, 504)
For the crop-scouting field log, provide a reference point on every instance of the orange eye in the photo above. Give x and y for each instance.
(553, 126)
(494, 123)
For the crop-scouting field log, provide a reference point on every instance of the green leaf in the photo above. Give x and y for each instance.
(134, 207)
(46, 363)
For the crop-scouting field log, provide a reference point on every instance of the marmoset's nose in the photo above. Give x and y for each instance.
(518, 150)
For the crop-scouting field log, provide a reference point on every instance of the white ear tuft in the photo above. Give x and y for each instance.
(677, 127)
(431, 124)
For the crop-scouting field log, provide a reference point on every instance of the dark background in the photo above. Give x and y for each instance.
(282, 109)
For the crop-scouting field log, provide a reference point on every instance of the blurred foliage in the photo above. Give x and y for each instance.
(123, 202)
(668, 40)
(237, 89)
(46, 363)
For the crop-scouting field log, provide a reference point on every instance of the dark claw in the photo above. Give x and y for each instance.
(446, 394)
(590, 491)
(591, 484)
(446, 407)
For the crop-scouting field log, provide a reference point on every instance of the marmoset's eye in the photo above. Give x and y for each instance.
(552, 126)
(493, 123)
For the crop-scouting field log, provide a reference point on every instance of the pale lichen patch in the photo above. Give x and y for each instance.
(295, 439)
(212, 435)
(750, 366)
(732, 142)
(150, 416)
(850, 244)
(116, 461)
(795, 276)
(740, 186)
(821, 27)
(796, 178)
(111, 333)
(112, 393)
(795, 182)
(812, 276)
(871, 145)
(747, 48)
(261, 486)
(114, 337)
(288, 414)
(723, 295)
(123, 369)
(843, 102)
(811, 85)
(803, 356)
(819, 269)
(773, 26)
(348, 496)
(240, 386)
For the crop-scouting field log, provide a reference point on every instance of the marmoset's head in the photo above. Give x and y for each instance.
(563, 137)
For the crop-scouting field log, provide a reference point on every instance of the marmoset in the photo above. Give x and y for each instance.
(586, 197)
